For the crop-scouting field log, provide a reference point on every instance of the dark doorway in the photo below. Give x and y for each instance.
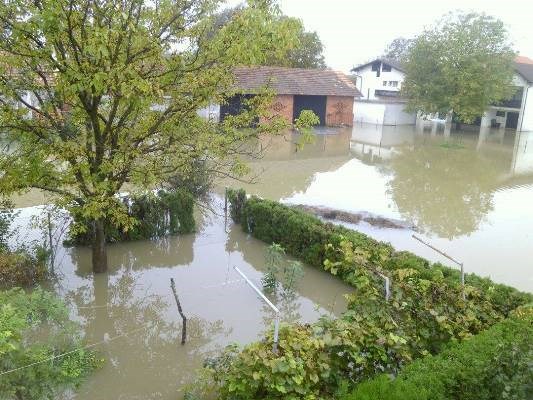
(317, 104)
(512, 120)
(234, 106)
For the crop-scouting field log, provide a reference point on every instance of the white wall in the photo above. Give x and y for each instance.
(525, 124)
(396, 115)
(211, 112)
(370, 82)
(373, 112)
(369, 113)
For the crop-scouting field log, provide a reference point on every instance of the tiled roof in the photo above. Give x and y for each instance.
(524, 66)
(316, 82)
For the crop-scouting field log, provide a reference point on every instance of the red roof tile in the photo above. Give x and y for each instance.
(299, 81)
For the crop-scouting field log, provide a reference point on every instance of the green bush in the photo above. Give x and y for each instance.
(155, 215)
(22, 268)
(35, 327)
(314, 241)
(496, 364)
(426, 312)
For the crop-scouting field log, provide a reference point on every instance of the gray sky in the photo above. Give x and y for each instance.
(354, 31)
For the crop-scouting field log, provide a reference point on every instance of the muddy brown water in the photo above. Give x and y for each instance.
(469, 193)
(132, 311)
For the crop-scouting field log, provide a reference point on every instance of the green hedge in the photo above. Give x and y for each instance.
(496, 364)
(426, 312)
(306, 237)
(165, 213)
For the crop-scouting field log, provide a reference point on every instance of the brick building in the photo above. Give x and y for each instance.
(329, 94)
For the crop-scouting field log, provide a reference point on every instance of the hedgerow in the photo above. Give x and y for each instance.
(496, 364)
(426, 311)
(154, 216)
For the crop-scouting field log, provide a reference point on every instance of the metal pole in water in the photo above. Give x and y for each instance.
(225, 209)
(460, 264)
(266, 300)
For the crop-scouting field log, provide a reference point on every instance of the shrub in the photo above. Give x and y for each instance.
(496, 364)
(425, 313)
(155, 215)
(314, 241)
(24, 317)
(236, 199)
(22, 268)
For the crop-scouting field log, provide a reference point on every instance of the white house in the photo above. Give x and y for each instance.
(380, 82)
(516, 113)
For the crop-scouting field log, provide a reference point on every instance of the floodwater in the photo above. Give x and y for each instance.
(468, 193)
(132, 312)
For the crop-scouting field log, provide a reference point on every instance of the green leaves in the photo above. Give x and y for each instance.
(21, 318)
(425, 313)
(97, 95)
(463, 64)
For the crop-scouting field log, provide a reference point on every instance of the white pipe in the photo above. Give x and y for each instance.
(266, 300)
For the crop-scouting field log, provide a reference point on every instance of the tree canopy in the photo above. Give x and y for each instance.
(463, 64)
(101, 94)
(305, 51)
(398, 49)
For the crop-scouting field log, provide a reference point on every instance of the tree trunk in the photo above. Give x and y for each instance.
(99, 247)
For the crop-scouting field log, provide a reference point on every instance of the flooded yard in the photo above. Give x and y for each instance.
(131, 308)
(469, 194)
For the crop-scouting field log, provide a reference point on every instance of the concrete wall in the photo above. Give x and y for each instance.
(339, 111)
(383, 113)
(396, 115)
(369, 113)
(370, 82)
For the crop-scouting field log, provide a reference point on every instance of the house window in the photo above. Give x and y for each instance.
(393, 83)
(384, 83)
(375, 66)
(386, 68)
(500, 113)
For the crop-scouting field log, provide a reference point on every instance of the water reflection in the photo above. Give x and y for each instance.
(463, 189)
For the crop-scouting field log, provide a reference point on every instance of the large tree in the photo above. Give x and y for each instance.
(305, 51)
(99, 94)
(463, 64)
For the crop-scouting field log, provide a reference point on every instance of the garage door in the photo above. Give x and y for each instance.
(317, 104)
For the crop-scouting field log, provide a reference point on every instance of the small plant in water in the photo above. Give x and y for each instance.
(290, 273)
(273, 258)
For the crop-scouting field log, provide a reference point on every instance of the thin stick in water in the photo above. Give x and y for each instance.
(184, 319)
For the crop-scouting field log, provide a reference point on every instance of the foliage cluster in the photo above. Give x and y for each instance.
(424, 314)
(20, 265)
(153, 215)
(23, 316)
(288, 273)
(462, 64)
(305, 51)
(101, 95)
(496, 364)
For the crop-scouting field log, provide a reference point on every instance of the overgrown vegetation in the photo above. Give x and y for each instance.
(153, 216)
(496, 364)
(20, 265)
(462, 64)
(425, 313)
(34, 327)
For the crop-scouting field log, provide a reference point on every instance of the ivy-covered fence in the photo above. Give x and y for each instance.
(424, 314)
(156, 215)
